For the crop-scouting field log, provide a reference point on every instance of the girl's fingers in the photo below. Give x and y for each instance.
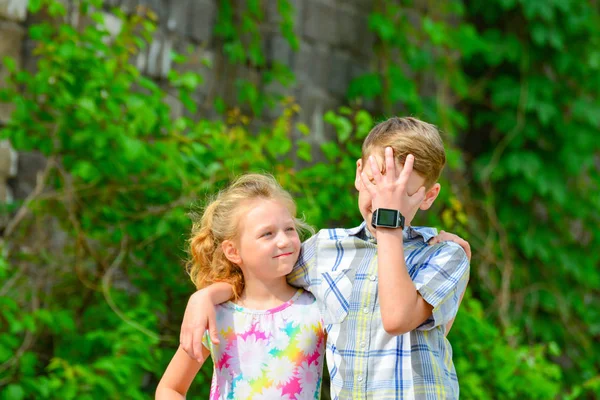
(212, 329)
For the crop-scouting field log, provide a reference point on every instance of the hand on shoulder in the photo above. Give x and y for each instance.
(444, 236)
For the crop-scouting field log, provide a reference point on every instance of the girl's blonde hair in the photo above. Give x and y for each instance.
(220, 222)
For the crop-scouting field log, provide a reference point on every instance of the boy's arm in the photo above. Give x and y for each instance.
(402, 307)
(200, 315)
(438, 288)
(179, 375)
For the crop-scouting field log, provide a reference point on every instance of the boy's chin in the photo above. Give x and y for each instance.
(372, 230)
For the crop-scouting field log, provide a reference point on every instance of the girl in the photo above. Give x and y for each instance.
(271, 338)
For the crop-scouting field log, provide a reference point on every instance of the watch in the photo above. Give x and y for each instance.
(387, 218)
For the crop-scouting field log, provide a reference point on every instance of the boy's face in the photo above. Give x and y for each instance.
(414, 184)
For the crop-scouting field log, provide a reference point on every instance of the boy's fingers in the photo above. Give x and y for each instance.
(407, 169)
(374, 169)
(368, 184)
(390, 164)
(419, 195)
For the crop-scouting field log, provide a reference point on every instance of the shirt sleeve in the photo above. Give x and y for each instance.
(441, 279)
(301, 275)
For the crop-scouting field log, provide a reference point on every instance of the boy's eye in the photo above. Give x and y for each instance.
(266, 234)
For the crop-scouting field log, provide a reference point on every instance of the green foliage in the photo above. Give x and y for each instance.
(92, 285)
(518, 372)
(83, 313)
(239, 28)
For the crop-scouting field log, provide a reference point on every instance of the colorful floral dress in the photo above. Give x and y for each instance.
(268, 354)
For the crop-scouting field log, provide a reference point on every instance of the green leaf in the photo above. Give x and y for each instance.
(34, 6)
(368, 86)
(14, 391)
(304, 151)
(56, 9)
(342, 125)
(382, 26)
(10, 64)
(85, 170)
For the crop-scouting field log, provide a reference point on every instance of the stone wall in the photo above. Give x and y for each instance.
(12, 33)
(335, 46)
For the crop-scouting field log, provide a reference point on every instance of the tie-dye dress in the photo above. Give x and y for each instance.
(268, 354)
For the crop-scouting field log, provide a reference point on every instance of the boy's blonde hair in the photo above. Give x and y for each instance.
(409, 136)
(220, 222)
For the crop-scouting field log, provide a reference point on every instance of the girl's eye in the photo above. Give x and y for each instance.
(266, 234)
(290, 229)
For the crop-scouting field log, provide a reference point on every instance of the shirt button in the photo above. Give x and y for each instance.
(372, 277)
(366, 310)
(360, 378)
(363, 344)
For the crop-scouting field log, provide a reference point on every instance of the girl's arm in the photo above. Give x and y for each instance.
(179, 375)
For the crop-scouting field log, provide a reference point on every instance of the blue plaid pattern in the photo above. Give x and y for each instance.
(339, 266)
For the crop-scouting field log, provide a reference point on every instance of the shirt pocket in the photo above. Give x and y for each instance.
(335, 291)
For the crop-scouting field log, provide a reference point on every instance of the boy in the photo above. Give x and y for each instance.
(386, 296)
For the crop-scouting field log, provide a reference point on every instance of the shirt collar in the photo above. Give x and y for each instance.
(409, 233)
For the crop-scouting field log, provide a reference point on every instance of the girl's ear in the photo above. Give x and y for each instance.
(231, 252)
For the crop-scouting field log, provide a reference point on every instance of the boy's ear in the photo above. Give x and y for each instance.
(430, 196)
(357, 181)
(231, 252)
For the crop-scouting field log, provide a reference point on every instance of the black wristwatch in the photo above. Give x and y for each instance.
(387, 218)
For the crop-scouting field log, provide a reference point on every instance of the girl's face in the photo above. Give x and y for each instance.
(268, 245)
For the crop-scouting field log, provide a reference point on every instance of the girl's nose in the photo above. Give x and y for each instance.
(283, 240)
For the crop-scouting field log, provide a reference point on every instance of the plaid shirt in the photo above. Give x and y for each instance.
(339, 266)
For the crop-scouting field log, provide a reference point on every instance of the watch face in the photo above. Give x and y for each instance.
(387, 217)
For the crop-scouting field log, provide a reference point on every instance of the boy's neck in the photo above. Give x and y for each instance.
(262, 295)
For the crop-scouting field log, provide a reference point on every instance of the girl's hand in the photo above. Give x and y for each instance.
(444, 236)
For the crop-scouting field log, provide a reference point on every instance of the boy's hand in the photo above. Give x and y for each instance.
(390, 190)
(444, 236)
(199, 316)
